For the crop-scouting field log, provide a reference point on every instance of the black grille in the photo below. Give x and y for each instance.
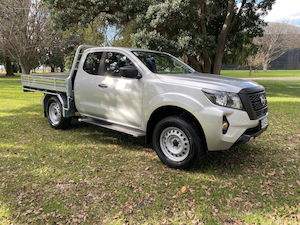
(255, 103)
(256, 100)
(261, 112)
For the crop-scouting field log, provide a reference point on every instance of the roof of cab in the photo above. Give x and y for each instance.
(121, 48)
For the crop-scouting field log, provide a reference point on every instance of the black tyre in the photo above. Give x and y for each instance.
(177, 143)
(54, 113)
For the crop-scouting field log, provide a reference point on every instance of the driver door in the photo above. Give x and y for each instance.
(121, 97)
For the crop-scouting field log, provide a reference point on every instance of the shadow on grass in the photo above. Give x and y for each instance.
(235, 158)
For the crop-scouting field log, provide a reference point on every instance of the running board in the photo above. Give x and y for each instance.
(112, 126)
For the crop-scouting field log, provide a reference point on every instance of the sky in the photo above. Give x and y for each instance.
(285, 11)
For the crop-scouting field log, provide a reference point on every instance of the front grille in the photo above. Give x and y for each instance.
(255, 103)
(259, 103)
(261, 112)
(256, 100)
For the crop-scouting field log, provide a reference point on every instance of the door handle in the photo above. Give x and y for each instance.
(102, 85)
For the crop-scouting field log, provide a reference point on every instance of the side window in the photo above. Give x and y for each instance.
(92, 63)
(113, 62)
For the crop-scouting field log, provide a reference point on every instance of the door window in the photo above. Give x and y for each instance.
(113, 62)
(92, 63)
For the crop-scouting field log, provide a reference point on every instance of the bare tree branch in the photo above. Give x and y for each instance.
(25, 31)
(278, 39)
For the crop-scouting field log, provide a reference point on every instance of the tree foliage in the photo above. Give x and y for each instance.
(202, 31)
(199, 31)
(70, 39)
(69, 13)
(124, 37)
(55, 58)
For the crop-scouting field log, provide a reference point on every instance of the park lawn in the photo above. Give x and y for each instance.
(89, 175)
(17, 75)
(287, 74)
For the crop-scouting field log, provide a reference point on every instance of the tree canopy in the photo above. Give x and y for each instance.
(200, 32)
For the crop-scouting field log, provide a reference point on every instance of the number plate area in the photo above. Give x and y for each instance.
(264, 123)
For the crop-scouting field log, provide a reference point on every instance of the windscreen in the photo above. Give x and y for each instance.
(161, 63)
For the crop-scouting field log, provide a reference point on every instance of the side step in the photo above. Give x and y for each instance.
(101, 123)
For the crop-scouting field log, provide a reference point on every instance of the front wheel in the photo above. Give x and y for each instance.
(177, 142)
(54, 113)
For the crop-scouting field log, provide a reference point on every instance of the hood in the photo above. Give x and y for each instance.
(209, 81)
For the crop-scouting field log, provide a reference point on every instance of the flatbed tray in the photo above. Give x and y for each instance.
(45, 82)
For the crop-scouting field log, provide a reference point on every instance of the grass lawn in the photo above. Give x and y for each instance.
(2, 75)
(88, 175)
(288, 74)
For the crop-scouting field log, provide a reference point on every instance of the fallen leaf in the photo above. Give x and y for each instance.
(272, 173)
(183, 189)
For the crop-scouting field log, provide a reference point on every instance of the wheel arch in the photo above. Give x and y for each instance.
(171, 110)
(61, 98)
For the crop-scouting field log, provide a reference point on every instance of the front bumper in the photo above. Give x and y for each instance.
(241, 127)
(244, 125)
(250, 134)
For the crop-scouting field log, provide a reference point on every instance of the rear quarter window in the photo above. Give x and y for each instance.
(92, 63)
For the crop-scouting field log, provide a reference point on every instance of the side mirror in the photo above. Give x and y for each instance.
(130, 72)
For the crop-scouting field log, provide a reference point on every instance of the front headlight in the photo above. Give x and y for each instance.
(222, 98)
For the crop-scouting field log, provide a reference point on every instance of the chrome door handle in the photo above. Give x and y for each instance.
(102, 85)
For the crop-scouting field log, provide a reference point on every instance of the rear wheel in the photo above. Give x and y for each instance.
(177, 143)
(54, 112)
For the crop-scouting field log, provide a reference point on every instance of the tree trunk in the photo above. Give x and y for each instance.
(194, 63)
(265, 67)
(207, 63)
(202, 14)
(250, 71)
(52, 69)
(222, 38)
(8, 66)
(62, 68)
(25, 68)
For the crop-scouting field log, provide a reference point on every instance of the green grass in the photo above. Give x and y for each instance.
(17, 75)
(288, 74)
(88, 175)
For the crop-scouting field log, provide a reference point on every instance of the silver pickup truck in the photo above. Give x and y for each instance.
(153, 94)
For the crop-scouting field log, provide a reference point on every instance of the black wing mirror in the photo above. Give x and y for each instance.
(130, 72)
